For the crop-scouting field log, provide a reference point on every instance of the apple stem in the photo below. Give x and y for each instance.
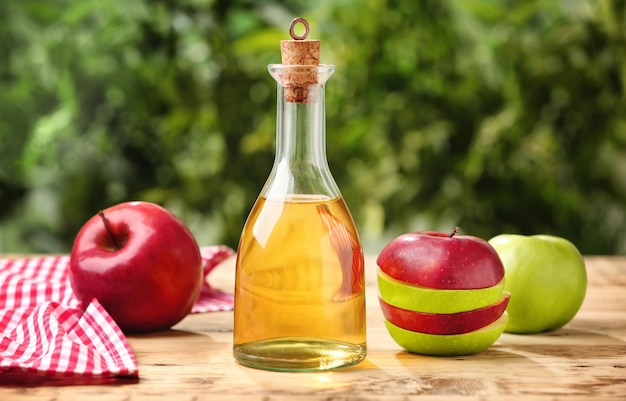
(108, 229)
(453, 233)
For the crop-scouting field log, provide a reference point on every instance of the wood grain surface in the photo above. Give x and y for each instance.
(584, 360)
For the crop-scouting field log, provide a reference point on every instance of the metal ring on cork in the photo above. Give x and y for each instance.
(293, 25)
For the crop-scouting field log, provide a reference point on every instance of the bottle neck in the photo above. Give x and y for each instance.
(301, 132)
(300, 166)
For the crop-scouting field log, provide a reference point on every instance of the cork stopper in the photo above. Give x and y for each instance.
(302, 55)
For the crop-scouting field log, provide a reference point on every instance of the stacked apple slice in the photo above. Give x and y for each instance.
(442, 294)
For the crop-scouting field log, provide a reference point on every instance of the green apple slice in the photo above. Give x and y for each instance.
(448, 345)
(433, 300)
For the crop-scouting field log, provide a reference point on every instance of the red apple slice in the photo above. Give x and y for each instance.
(450, 323)
(442, 261)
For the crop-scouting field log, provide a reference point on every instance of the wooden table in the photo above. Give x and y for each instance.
(584, 360)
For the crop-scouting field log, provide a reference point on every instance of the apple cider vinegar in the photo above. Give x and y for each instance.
(299, 284)
(299, 298)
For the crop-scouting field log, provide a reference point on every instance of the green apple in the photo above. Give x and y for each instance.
(433, 300)
(546, 277)
(448, 345)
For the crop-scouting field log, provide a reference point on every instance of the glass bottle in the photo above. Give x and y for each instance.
(299, 287)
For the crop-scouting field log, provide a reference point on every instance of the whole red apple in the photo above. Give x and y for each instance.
(140, 262)
(440, 260)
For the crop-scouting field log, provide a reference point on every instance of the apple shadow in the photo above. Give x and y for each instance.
(212, 322)
(171, 333)
(437, 375)
(567, 343)
(175, 348)
(171, 342)
(491, 359)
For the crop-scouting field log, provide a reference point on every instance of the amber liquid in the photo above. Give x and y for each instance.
(299, 293)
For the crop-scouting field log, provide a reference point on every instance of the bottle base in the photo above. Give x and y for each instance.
(298, 354)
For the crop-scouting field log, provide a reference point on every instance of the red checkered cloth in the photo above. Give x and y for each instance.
(44, 330)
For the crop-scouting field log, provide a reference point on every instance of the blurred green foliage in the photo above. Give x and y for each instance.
(492, 115)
